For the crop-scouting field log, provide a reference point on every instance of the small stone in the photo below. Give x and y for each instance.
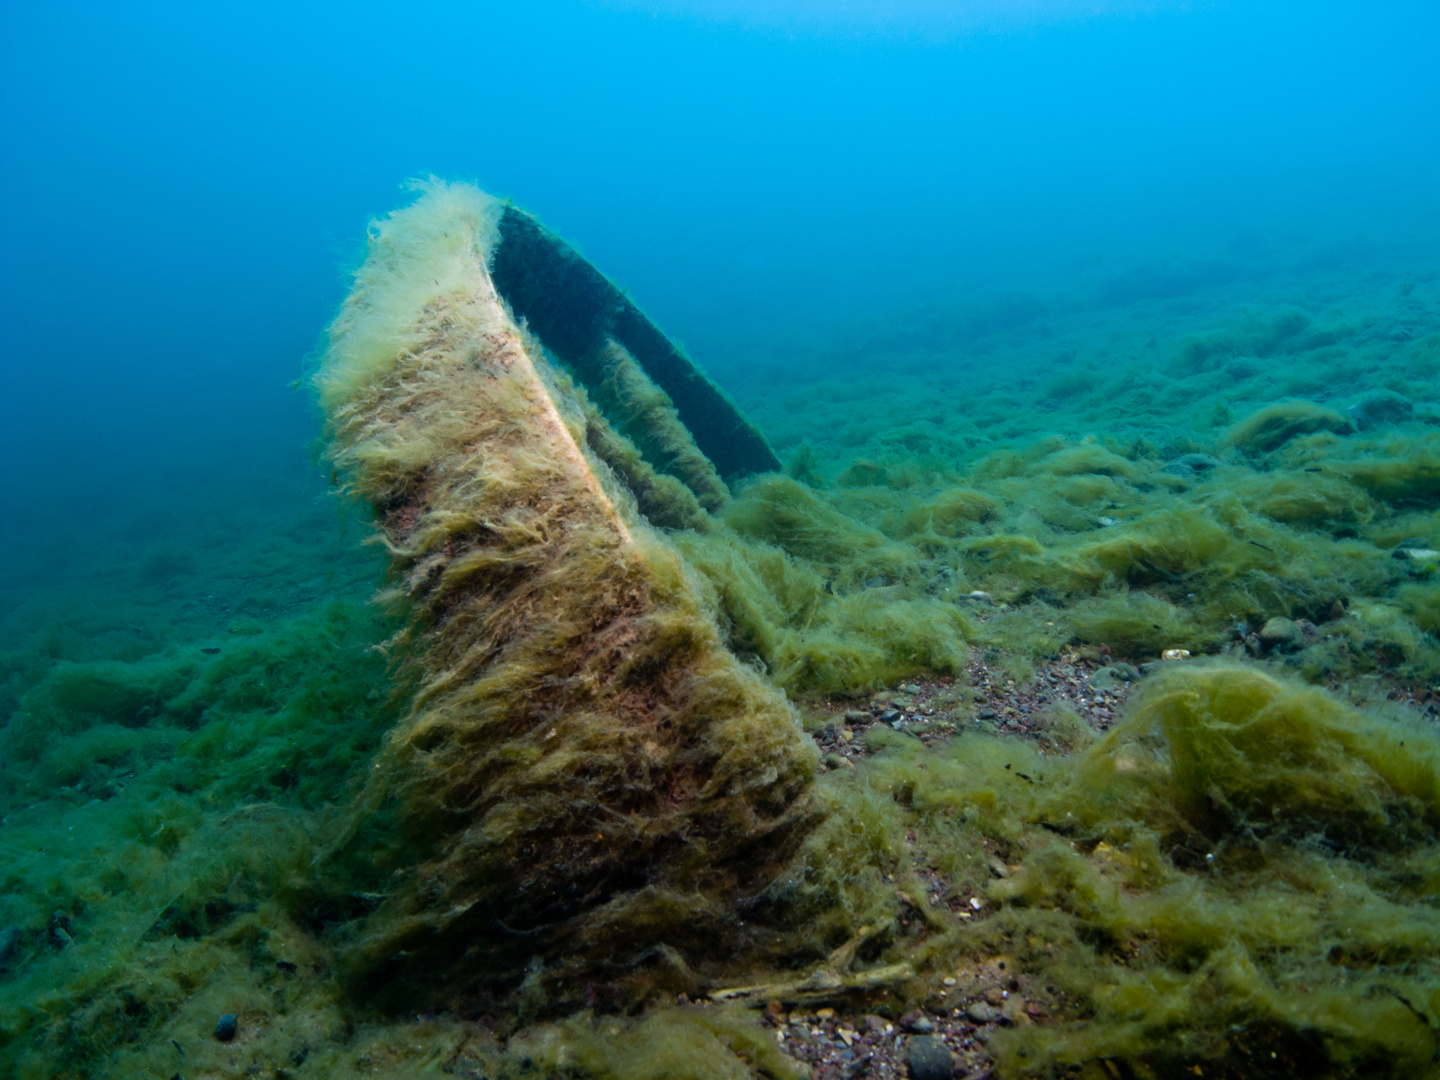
(833, 761)
(1280, 633)
(876, 1025)
(855, 716)
(982, 1013)
(1175, 654)
(998, 867)
(1337, 610)
(995, 996)
(917, 1022)
(929, 1059)
(1418, 554)
(226, 1027)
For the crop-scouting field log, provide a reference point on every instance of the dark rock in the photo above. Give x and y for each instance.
(1380, 407)
(226, 1027)
(929, 1059)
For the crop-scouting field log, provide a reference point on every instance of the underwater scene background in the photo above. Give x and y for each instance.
(1085, 335)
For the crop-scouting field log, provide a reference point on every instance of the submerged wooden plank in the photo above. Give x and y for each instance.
(586, 772)
(574, 309)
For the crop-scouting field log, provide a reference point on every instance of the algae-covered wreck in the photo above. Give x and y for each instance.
(587, 775)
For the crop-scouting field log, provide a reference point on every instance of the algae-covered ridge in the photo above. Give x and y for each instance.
(556, 804)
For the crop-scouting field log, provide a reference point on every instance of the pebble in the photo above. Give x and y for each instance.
(982, 1013)
(1419, 554)
(929, 1059)
(1112, 675)
(226, 1027)
(917, 1022)
(1279, 633)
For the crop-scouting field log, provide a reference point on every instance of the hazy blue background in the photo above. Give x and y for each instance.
(184, 185)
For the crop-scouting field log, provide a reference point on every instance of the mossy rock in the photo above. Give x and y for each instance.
(1273, 426)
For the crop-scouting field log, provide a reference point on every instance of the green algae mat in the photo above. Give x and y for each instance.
(532, 783)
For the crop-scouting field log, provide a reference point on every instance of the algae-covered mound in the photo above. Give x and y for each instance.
(840, 590)
(1277, 424)
(160, 818)
(1270, 857)
(587, 774)
(1237, 880)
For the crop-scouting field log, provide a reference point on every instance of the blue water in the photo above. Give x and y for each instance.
(186, 185)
